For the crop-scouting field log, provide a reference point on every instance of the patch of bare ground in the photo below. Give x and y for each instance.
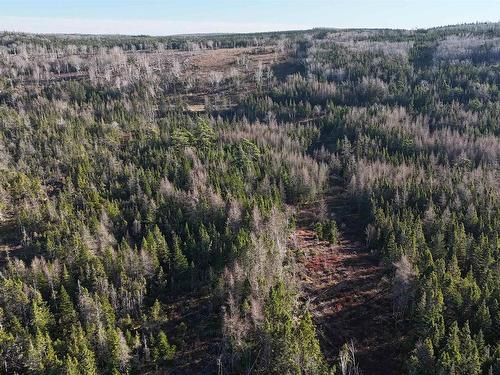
(194, 328)
(209, 65)
(223, 59)
(10, 245)
(348, 291)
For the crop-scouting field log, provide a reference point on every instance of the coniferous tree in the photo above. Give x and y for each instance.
(67, 316)
(163, 351)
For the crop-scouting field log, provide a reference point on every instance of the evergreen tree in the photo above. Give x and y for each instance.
(451, 356)
(41, 315)
(470, 363)
(163, 351)
(392, 250)
(318, 228)
(118, 355)
(311, 358)
(162, 247)
(332, 232)
(179, 262)
(483, 318)
(70, 366)
(156, 313)
(67, 316)
(79, 349)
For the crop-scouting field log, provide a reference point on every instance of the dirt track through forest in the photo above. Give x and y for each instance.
(348, 291)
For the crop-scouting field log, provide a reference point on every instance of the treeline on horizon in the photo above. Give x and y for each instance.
(10, 40)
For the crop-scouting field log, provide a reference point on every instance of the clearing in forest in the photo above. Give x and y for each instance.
(348, 290)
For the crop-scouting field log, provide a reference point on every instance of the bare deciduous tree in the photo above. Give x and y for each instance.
(402, 286)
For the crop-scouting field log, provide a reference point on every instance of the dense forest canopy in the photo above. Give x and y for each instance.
(150, 189)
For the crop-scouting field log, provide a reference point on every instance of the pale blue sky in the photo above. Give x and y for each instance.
(157, 17)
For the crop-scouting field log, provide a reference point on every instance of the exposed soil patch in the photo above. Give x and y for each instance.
(10, 244)
(195, 329)
(193, 326)
(349, 292)
(203, 62)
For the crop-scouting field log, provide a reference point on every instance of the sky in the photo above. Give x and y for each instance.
(167, 17)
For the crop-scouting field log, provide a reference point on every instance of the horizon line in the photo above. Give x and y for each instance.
(224, 28)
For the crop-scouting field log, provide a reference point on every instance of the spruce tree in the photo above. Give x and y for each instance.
(470, 363)
(67, 316)
(70, 366)
(163, 351)
(179, 262)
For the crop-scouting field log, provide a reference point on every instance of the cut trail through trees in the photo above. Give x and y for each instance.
(348, 291)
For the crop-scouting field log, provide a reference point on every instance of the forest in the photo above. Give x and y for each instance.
(229, 204)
